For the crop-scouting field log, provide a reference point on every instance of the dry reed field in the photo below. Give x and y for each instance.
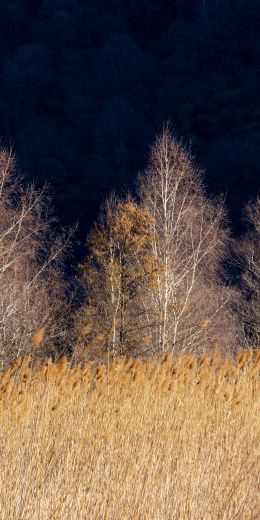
(176, 438)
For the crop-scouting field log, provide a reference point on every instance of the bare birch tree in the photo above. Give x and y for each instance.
(32, 289)
(248, 250)
(190, 300)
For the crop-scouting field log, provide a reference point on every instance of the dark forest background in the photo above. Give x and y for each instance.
(86, 85)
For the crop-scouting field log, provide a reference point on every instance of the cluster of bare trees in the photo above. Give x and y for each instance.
(154, 275)
(32, 288)
(153, 279)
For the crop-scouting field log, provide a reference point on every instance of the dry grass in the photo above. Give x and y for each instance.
(175, 439)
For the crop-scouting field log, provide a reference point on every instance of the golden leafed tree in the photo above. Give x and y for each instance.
(118, 270)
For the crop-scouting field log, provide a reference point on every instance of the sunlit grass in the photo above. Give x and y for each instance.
(172, 438)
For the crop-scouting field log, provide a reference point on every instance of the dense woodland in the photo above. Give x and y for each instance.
(85, 87)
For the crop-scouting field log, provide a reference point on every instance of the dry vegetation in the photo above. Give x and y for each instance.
(174, 438)
(34, 294)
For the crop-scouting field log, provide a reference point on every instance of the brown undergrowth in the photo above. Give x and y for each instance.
(175, 438)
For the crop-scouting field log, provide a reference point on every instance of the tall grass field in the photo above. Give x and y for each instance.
(175, 438)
